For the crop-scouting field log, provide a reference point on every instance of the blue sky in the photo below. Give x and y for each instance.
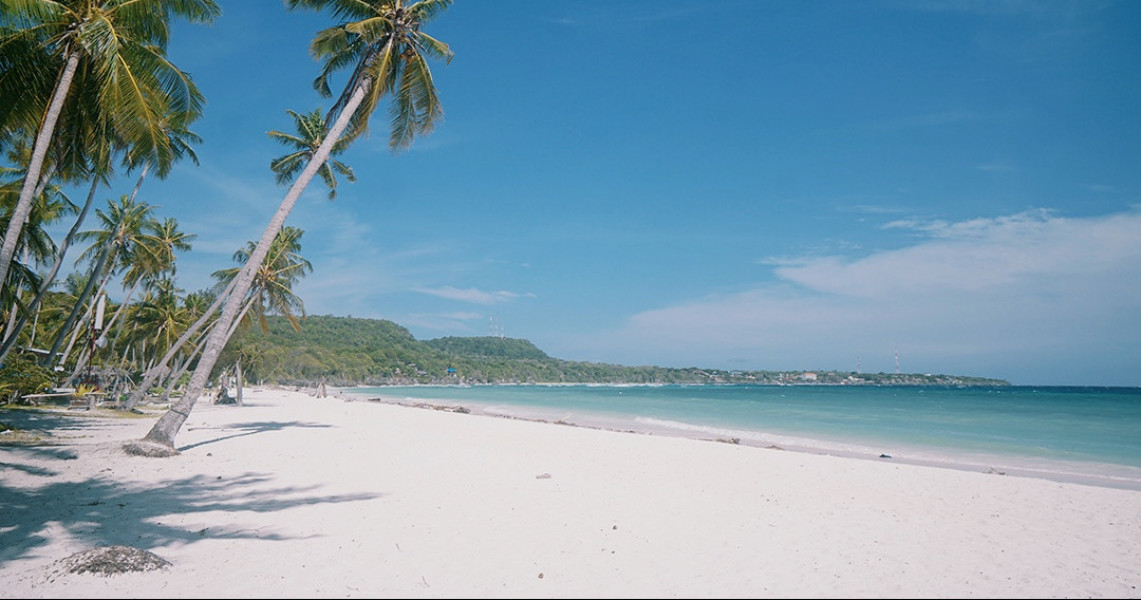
(740, 184)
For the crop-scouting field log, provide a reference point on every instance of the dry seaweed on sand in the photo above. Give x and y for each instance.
(112, 560)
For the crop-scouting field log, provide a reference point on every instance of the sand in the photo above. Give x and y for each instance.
(295, 496)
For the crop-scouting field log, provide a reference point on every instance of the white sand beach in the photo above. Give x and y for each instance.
(297, 496)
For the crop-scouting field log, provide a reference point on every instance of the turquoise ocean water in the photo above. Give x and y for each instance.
(1083, 434)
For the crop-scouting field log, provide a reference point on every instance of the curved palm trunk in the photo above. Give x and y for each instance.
(119, 312)
(50, 277)
(96, 276)
(177, 373)
(127, 300)
(155, 372)
(161, 436)
(39, 153)
(9, 331)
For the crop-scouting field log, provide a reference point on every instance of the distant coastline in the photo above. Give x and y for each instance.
(347, 351)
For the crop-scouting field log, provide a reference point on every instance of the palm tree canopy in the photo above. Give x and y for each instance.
(272, 290)
(382, 41)
(310, 133)
(121, 228)
(153, 254)
(121, 45)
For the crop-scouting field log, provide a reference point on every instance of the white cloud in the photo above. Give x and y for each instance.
(1027, 295)
(472, 295)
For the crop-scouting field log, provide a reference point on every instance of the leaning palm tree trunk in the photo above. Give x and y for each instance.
(160, 439)
(50, 277)
(176, 374)
(96, 277)
(118, 312)
(39, 153)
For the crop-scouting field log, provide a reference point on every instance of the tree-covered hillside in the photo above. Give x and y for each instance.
(343, 351)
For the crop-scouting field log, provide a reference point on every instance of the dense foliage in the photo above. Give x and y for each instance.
(344, 351)
(20, 376)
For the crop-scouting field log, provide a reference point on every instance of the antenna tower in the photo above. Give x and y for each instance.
(897, 361)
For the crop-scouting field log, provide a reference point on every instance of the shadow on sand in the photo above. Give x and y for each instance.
(81, 508)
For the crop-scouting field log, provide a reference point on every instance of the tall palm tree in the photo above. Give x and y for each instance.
(49, 278)
(310, 132)
(122, 226)
(116, 50)
(160, 318)
(388, 52)
(35, 243)
(151, 260)
(272, 291)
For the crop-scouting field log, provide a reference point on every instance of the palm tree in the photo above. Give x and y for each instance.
(24, 290)
(195, 304)
(115, 50)
(382, 41)
(50, 205)
(310, 132)
(152, 259)
(35, 243)
(272, 290)
(49, 279)
(160, 317)
(122, 226)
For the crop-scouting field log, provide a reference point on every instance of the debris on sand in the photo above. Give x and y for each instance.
(113, 560)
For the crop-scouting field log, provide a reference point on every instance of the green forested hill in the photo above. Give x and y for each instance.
(344, 351)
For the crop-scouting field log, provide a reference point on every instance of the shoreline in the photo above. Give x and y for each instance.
(1085, 473)
(293, 495)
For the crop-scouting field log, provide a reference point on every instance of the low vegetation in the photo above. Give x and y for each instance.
(344, 351)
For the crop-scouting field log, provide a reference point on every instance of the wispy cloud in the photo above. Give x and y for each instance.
(455, 323)
(996, 168)
(473, 295)
(985, 296)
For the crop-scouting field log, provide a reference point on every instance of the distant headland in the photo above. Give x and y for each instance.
(348, 351)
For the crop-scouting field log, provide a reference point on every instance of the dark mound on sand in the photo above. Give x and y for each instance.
(112, 560)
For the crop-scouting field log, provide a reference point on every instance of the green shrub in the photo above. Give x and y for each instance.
(21, 375)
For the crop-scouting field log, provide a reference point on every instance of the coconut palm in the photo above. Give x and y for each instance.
(49, 279)
(310, 132)
(115, 53)
(35, 243)
(160, 318)
(382, 41)
(206, 318)
(122, 226)
(22, 293)
(151, 259)
(272, 290)
(148, 259)
(50, 205)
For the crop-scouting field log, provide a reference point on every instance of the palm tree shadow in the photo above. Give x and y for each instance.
(245, 429)
(82, 508)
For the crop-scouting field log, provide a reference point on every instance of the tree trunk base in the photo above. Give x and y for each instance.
(148, 448)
